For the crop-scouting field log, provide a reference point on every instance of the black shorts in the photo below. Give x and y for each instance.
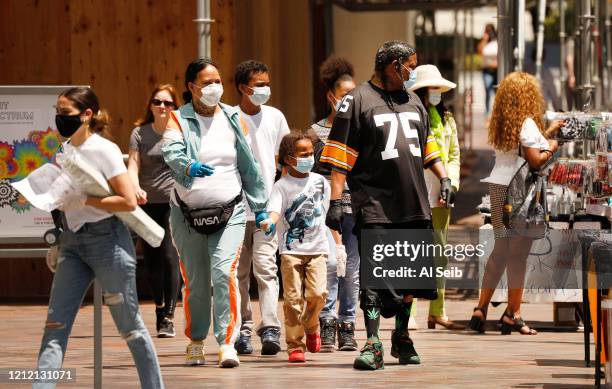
(392, 298)
(387, 300)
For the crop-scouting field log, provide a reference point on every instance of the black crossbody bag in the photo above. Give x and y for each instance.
(208, 220)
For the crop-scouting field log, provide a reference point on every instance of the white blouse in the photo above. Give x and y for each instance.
(508, 162)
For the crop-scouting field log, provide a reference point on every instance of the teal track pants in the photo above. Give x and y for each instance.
(205, 261)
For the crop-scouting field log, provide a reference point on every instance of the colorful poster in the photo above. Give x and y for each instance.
(28, 140)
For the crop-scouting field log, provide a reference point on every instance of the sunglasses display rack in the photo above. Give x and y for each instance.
(583, 185)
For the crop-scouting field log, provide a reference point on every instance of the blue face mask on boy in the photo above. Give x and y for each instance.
(304, 164)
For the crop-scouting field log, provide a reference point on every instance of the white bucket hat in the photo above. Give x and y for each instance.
(429, 75)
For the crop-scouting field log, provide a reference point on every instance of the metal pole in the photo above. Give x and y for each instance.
(463, 67)
(562, 35)
(204, 21)
(609, 56)
(597, 56)
(504, 39)
(604, 29)
(471, 83)
(520, 36)
(540, 37)
(328, 20)
(97, 335)
(434, 37)
(457, 71)
(462, 48)
(577, 94)
(586, 87)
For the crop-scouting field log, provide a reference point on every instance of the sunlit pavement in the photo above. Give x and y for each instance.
(450, 359)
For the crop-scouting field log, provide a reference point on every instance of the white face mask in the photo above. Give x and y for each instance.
(435, 97)
(409, 83)
(211, 94)
(337, 103)
(261, 95)
(304, 164)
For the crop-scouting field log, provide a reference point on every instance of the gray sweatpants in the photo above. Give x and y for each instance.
(259, 251)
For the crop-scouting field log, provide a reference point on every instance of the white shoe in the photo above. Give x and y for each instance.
(228, 356)
(194, 354)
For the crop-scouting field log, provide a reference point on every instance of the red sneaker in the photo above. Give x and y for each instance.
(297, 356)
(313, 342)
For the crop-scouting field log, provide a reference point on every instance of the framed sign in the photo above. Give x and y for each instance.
(28, 140)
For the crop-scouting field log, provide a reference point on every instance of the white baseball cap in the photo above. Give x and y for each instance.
(429, 75)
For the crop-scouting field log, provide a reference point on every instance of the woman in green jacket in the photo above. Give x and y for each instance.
(212, 165)
(429, 86)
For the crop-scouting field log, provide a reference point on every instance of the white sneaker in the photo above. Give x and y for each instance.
(194, 354)
(228, 356)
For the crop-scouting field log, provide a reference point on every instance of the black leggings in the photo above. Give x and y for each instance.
(162, 262)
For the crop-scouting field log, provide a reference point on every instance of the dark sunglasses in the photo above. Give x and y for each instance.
(157, 103)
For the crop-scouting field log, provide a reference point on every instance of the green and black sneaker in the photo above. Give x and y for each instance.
(403, 348)
(371, 356)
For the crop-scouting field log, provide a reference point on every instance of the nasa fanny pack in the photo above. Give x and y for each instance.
(208, 220)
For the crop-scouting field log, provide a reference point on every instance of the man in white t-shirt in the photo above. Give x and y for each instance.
(266, 128)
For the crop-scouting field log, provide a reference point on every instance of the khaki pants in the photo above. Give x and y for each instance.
(305, 291)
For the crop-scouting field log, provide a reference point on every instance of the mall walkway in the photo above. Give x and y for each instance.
(450, 359)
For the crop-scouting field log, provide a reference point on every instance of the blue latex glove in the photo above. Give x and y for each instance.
(259, 217)
(198, 169)
(263, 220)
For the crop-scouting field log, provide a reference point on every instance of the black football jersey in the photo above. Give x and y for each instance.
(381, 140)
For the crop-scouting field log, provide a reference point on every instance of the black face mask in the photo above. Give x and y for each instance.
(67, 125)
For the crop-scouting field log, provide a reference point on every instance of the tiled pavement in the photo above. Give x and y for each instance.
(450, 359)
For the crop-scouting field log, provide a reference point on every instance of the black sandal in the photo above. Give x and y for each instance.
(476, 323)
(518, 325)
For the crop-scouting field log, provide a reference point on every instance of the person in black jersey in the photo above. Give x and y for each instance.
(380, 144)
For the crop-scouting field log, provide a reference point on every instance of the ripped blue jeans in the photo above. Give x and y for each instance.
(102, 250)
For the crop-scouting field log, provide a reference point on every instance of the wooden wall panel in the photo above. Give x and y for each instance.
(276, 32)
(295, 62)
(126, 48)
(223, 44)
(122, 48)
(24, 278)
(30, 279)
(34, 48)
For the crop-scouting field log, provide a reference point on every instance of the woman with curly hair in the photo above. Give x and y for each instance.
(516, 131)
(336, 74)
